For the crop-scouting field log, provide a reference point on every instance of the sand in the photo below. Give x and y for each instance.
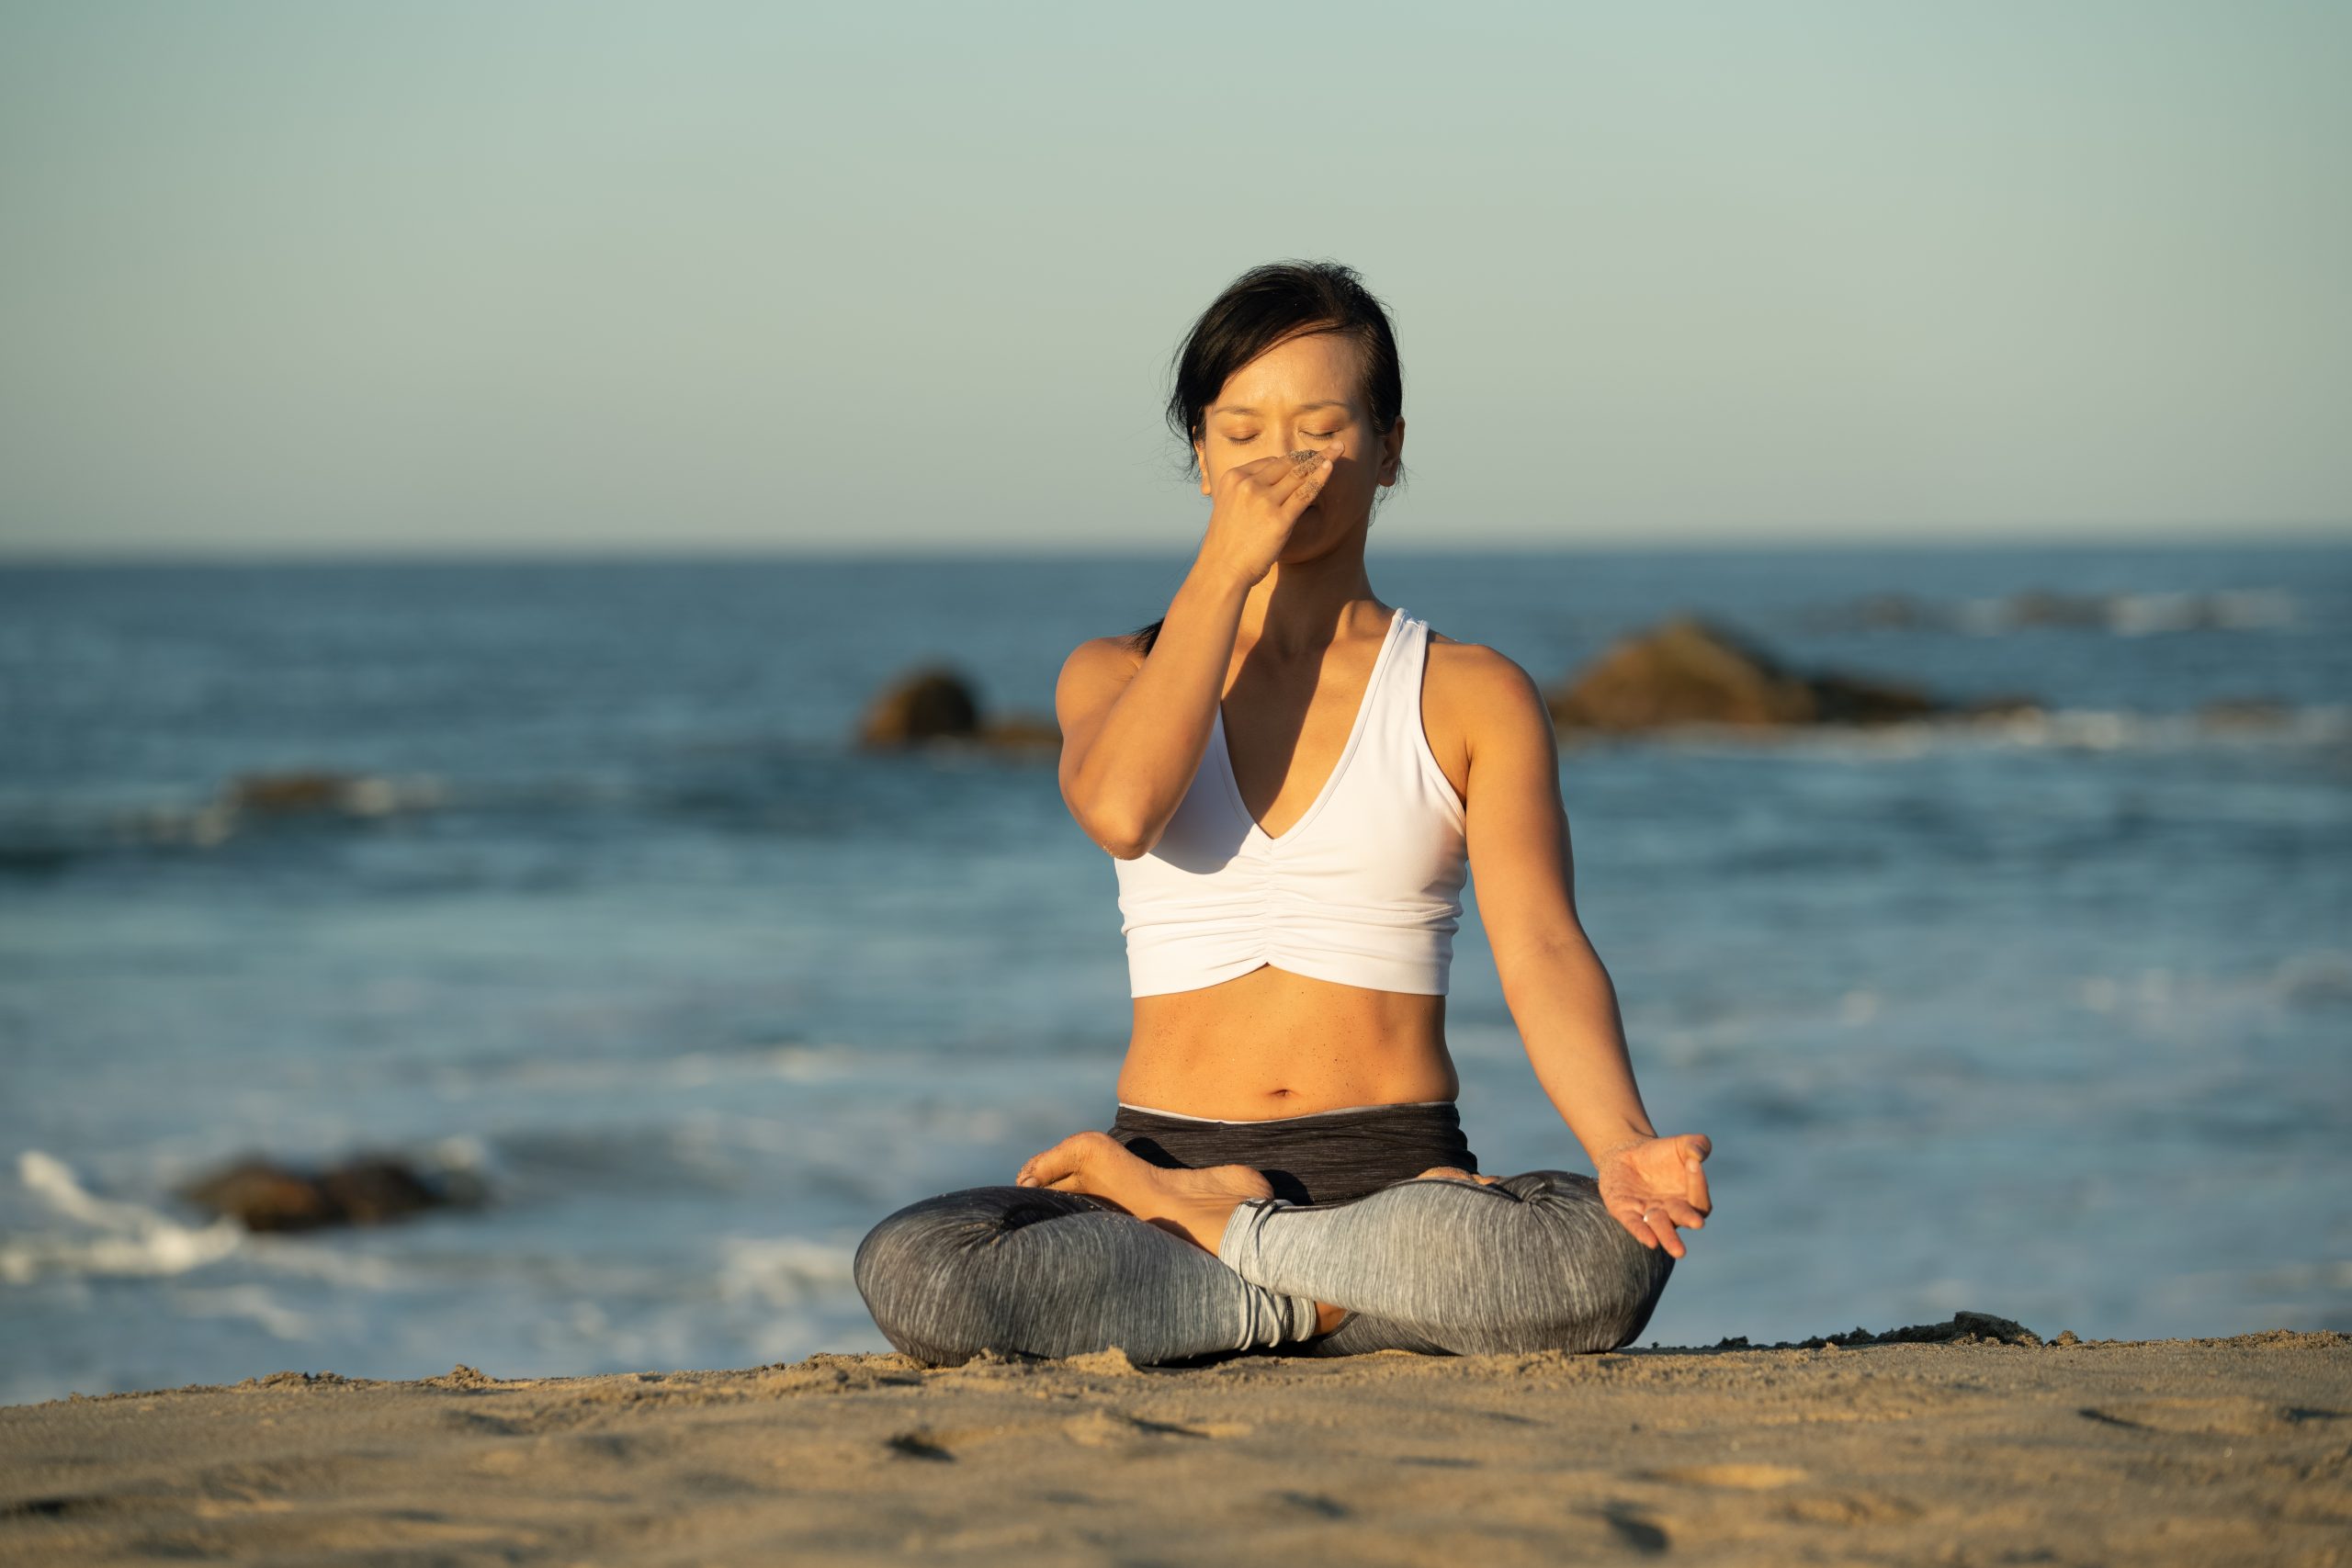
(2156, 1451)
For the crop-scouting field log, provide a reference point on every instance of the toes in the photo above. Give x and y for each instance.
(1452, 1173)
(1064, 1161)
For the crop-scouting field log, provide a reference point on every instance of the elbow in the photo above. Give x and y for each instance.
(1126, 845)
(1119, 837)
(1124, 826)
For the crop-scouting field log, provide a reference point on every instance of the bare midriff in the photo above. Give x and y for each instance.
(1271, 1044)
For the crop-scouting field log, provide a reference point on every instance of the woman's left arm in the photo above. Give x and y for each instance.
(1559, 995)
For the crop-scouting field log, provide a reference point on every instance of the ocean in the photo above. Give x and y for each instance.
(2046, 1018)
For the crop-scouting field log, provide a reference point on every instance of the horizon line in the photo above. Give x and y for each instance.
(2315, 535)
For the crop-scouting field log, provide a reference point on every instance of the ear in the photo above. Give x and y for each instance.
(1391, 445)
(1200, 456)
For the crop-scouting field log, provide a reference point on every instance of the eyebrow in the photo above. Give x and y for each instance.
(1236, 408)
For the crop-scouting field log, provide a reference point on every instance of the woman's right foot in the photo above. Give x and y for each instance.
(1194, 1204)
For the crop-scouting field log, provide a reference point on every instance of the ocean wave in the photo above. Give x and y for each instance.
(251, 799)
(116, 1238)
(2122, 614)
(2095, 729)
(254, 1304)
(782, 1272)
(544, 1072)
(2132, 615)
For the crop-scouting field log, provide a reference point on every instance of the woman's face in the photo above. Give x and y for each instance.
(1305, 391)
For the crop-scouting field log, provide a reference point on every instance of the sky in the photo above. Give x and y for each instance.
(323, 277)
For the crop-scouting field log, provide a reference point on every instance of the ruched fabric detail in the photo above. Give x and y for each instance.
(1363, 889)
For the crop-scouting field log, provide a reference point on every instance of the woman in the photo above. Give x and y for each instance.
(1294, 778)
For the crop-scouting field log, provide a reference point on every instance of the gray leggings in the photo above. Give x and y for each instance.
(1437, 1266)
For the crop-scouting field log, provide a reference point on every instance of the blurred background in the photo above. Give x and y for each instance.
(467, 473)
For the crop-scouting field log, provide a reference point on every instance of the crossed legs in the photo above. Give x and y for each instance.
(1098, 1248)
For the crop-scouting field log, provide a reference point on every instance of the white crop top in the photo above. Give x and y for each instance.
(1363, 889)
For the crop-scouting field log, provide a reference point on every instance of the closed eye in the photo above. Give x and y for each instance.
(1310, 434)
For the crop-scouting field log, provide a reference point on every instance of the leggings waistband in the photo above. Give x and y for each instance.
(1326, 1156)
(1279, 1120)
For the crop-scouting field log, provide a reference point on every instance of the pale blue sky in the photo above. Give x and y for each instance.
(320, 277)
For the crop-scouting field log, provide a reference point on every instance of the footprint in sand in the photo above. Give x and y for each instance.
(1734, 1477)
(2225, 1415)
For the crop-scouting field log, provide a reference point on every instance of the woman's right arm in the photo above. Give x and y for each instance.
(1134, 731)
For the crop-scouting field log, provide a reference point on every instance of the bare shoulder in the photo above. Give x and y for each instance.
(1092, 676)
(1481, 698)
(1114, 655)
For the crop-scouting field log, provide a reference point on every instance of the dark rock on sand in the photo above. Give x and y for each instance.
(936, 704)
(1961, 1329)
(1693, 670)
(366, 1190)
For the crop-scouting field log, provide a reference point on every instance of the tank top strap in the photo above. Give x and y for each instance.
(1396, 711)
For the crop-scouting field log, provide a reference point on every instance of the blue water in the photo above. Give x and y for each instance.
(2048, 1021)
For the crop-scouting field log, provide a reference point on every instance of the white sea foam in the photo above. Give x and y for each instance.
(2324, 972)
(781, 1271)
(2134, 614)
(252, 1302)
(132, 1239)
(2125, 614)
(2091, 730)
(308, 1257)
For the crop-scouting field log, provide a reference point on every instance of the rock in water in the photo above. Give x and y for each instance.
(921, 706)
(318, 791)
(1691, 670)
(369, 1191)
(264, 1197)
(936, 704)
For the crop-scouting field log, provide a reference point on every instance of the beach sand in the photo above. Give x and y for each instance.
(1969, 1451)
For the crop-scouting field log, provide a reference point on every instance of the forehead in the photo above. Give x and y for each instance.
(1316, 370)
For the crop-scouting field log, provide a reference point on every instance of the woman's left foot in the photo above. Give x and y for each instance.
(1451, 1173)
(1194, 1204)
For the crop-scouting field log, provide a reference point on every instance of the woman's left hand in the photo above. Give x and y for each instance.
(1654, 1185)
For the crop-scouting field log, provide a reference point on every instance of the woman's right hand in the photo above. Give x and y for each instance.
(1255, 506)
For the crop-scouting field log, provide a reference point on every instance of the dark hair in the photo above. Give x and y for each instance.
(1264, 307)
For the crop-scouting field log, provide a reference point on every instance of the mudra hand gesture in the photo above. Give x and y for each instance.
(1654, 1185)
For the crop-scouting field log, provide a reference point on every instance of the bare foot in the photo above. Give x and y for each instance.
(1449, 1173)
(1194, 1204)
